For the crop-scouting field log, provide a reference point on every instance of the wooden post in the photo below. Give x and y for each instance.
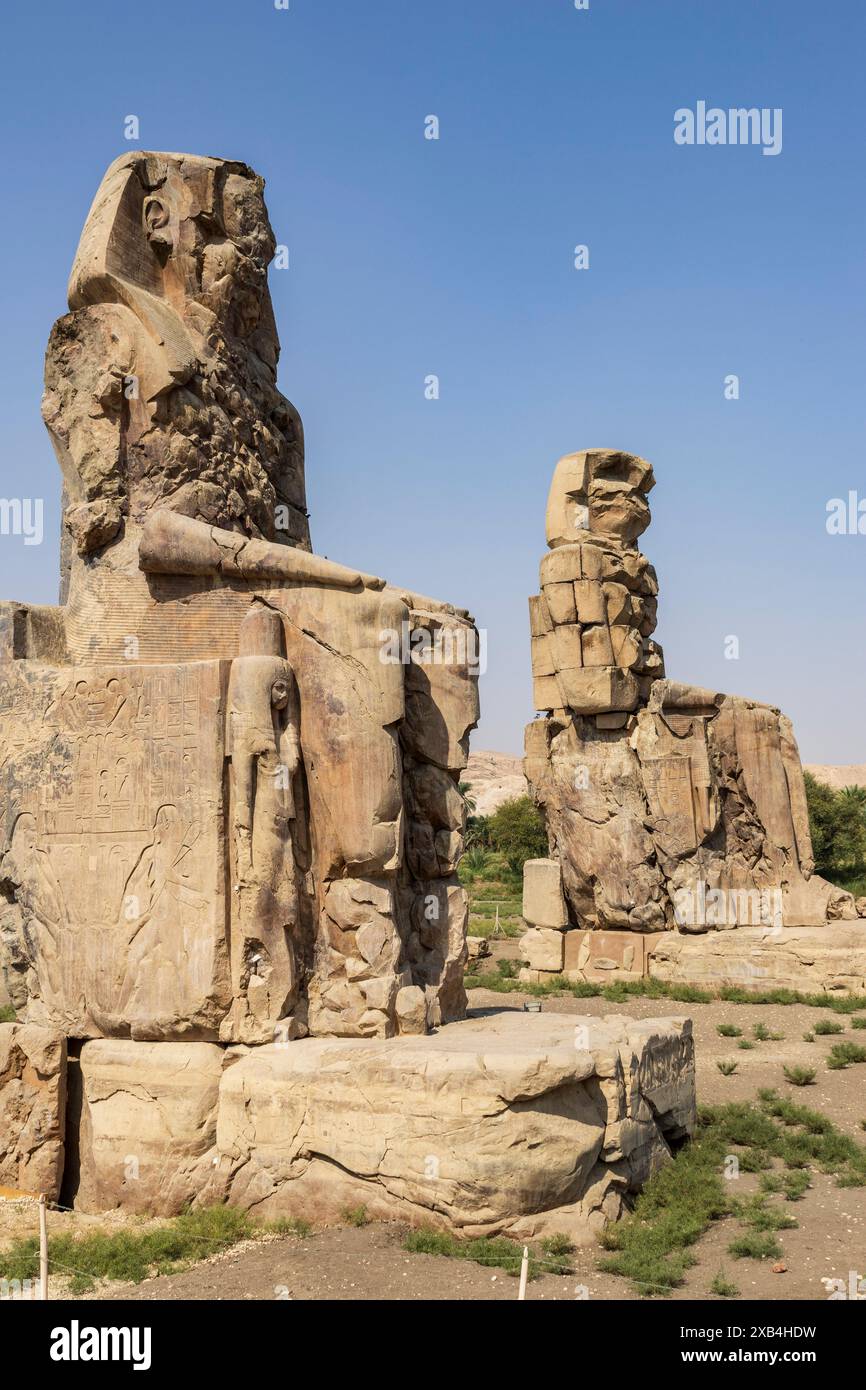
(43, 1248)
(524, 1271)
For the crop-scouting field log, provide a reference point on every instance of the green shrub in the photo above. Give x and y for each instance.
(517, 831)
(799, 1076)
(722, 1286)
(726, 1068)
(356, 1216)
(756, 1245)
(826, 1026)
(843, 1054)
(837, 820)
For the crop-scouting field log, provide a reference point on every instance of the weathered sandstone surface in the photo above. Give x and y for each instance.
(32, 1108)
(512, 1123)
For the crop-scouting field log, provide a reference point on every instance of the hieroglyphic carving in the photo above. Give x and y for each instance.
(114, 849)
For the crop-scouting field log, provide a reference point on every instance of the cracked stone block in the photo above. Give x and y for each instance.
(519, 1123)
(148, 1124)
(32, 1108)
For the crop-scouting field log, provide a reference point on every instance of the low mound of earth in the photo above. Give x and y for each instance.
(851, 775)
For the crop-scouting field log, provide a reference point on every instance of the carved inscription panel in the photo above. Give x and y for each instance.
(113, 843)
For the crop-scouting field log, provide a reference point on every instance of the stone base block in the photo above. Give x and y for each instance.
(148, 1124)
(32, 1108)
(517, 1123)
(543, 898)
(603, 957)
(830, 959)
(542, 948)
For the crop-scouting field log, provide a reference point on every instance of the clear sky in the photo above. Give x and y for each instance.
(411, 257)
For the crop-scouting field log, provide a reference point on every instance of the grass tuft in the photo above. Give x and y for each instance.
(843, 1054)
(356, 1216)
(799, 1076)
(551, 1256)
(756, 1245)
(722, 1286)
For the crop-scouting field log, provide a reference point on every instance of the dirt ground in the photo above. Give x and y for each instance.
(369, 1263)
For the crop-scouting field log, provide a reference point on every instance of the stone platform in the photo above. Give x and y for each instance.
(511, 1123)
(518, 1123)
(807, 959)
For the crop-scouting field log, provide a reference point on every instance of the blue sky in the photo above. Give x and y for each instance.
(411, 257)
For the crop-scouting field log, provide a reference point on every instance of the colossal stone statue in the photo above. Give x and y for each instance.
(670, 809)
(146, 893)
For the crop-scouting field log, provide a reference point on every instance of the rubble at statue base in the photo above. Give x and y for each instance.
(230, 921)
(677, 818)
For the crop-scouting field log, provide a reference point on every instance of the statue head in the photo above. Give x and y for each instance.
(187, 232)
(599, 494)
(161, 382)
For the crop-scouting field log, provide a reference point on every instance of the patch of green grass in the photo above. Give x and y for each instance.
(843, 1054)
(652, 1246)
(551, 1256)
(729, 1030)
(859, 1022)
(287, 1226)
(508, 968)
(761, 1032)
(131, 1255)
(745, 1045)
(799, 1076)
(756, 1245)
(808, 1037)
(849, 1004)
(7, 1014)
(356, 1216)
(492, 980)
(511, 927)
(792, 1184)
(722, 1286)
(756, 1213)
(680, 993)
(825, 1026)
(726, 1068)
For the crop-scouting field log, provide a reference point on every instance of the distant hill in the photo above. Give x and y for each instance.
(493, 778)
(852, 775)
